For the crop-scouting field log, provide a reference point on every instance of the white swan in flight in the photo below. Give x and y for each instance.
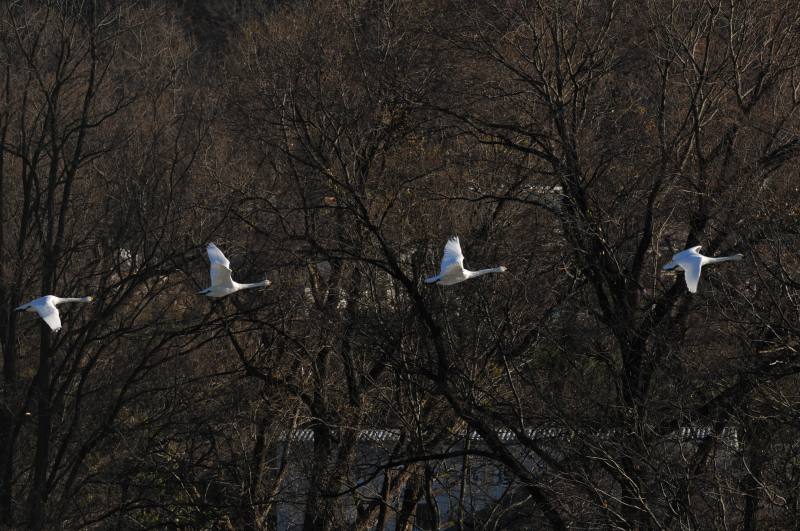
(46, 308)
(452, 269)
(691, 262)
(221, 282)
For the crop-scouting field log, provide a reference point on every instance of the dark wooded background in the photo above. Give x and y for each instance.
(335, 146)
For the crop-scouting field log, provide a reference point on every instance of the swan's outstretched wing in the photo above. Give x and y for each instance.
(215, 256)
(220, 276)
(49, 313)
(691, 273)
(453, 257)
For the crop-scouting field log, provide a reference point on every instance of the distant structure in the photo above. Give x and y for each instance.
(475, 484)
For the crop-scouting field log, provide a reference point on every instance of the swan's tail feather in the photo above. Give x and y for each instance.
(431, 280)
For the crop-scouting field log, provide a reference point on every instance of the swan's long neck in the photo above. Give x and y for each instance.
(262, 284)
(479, 272)
(73, 299)
(709, 260)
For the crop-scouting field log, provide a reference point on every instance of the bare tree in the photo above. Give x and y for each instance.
(335, 147)
(76, 219)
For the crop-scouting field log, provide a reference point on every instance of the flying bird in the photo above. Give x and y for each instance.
(691, 262)
(452, 269)
(221, 282)
(46, 308)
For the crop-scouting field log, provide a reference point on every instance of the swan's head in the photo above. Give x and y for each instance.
(738, 256)
(502, 269)
(88, 299)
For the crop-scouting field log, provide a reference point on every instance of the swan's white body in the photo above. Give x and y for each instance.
(46, 308)
(692, 262)
(221, 282)
(452, 269)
